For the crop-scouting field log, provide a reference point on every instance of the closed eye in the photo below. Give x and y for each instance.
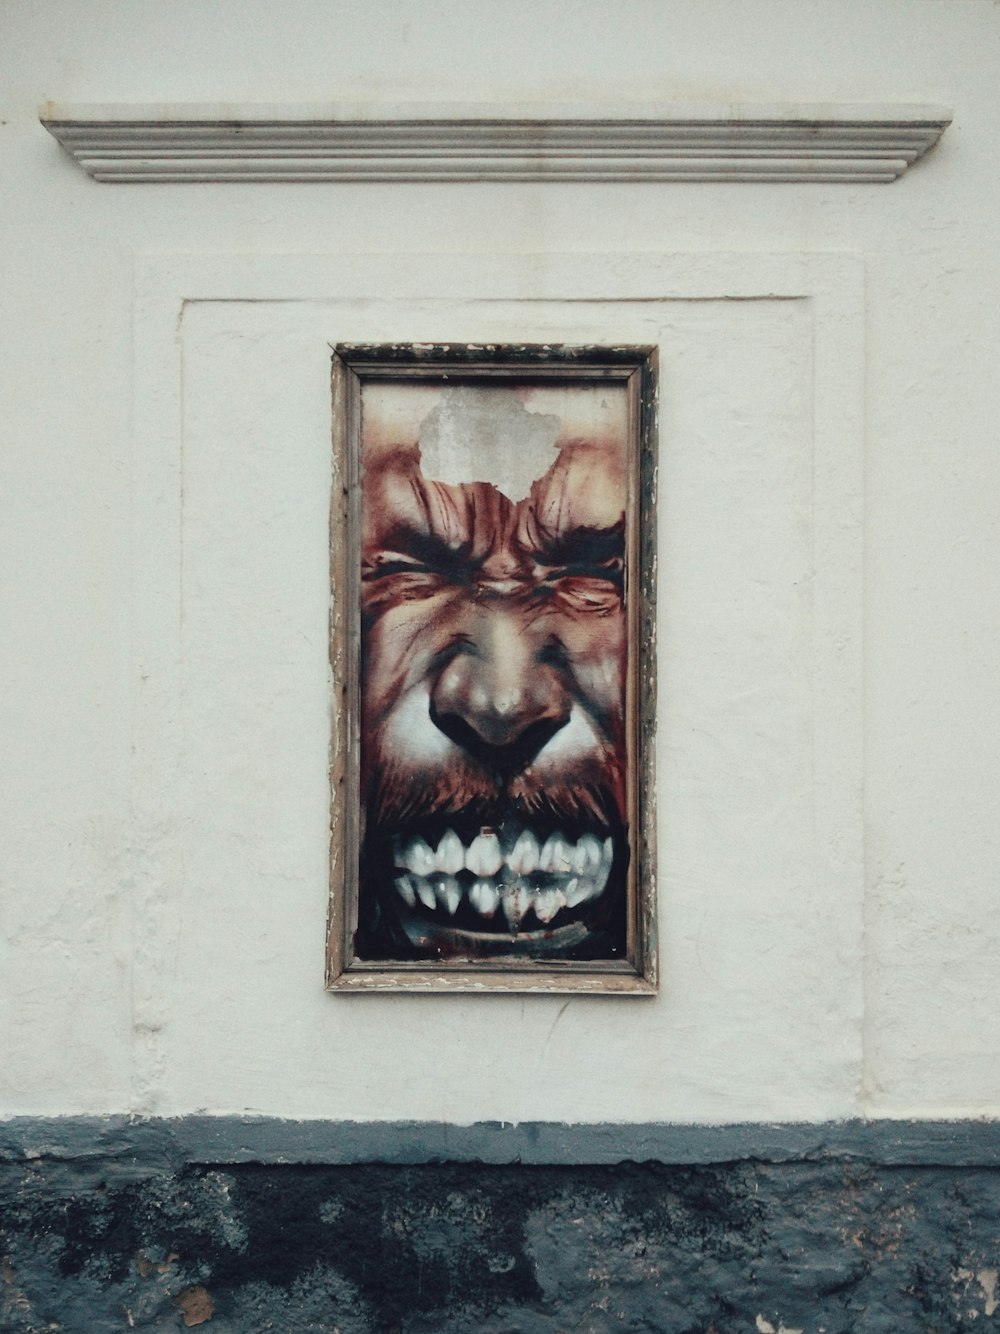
(386, 563)
(587, 587)
(417, 555)
(394, 578)
(612, 570)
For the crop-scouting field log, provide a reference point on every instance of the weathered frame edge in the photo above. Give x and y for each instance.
(637, 367)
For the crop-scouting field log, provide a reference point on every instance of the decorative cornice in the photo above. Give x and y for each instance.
(482, 143)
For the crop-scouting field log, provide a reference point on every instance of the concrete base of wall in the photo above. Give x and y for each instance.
(828, 1240)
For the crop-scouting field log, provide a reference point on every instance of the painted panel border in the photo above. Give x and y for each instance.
(166, 285)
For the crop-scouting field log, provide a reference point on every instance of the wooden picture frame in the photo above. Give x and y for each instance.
(492, 642)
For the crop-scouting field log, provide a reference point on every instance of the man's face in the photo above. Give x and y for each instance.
(493, 750)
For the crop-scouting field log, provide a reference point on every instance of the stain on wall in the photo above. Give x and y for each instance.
(821, 1248)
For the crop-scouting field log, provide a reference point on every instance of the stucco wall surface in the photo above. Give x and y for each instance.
(828, 920)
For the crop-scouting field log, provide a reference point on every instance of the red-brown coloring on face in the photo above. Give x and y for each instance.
(493, 639)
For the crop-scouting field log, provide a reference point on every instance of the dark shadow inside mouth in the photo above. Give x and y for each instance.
(454, 886)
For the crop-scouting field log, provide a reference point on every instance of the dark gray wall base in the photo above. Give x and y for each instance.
(242, 1139)
(472, 1249)
(109, 1226)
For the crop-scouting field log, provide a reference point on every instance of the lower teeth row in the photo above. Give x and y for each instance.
(514, 899)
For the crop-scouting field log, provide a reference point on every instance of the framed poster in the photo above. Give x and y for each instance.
(492, 644)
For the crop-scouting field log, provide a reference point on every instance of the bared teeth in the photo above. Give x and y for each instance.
(515, 901)
(425, 893)
(547, 903)
(407, 890)
(450, 854)
(556, 855)
(484, 857)
(577, 891)
(484, 897)
(587, 855)
(447, 893)
(523, 857)
(415, 854)
(543, 878)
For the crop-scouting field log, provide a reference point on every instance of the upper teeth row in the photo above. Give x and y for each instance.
(485, 857)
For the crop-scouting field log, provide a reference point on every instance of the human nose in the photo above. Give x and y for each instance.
(501, 697)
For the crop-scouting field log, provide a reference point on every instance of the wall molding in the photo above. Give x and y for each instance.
(216, 143)
(174, 1141)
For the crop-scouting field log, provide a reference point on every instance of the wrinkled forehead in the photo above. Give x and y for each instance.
(508, 436)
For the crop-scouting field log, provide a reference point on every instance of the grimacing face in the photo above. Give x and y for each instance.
(493, 747)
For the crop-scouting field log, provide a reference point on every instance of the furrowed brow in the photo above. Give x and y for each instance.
(583, 546)
(427, 548)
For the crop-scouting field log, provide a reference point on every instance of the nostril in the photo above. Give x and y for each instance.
(496, 699)
(504, 756)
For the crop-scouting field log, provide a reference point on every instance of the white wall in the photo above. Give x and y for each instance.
(147, 961)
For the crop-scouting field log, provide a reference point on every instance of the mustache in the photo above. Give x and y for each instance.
(398, 797)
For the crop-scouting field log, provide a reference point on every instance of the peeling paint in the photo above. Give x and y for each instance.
(765, 1327)
(987, 1280)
